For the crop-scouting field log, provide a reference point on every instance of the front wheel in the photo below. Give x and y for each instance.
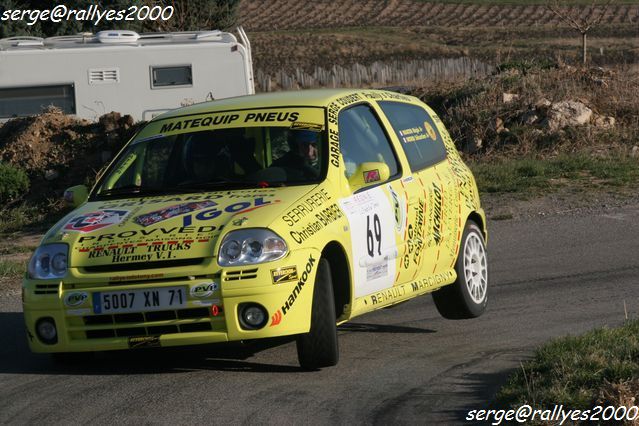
(319, 348)
(468, 295)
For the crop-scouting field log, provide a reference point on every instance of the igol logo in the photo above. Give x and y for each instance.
(203, 290)
(75, 299)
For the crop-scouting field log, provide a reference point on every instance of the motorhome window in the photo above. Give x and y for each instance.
(23, 101)
(172, 76)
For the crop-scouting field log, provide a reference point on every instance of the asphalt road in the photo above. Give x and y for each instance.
(550, 276)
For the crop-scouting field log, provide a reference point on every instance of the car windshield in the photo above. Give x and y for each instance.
(227, 158)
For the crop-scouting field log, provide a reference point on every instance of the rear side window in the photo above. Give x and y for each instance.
(418, 135)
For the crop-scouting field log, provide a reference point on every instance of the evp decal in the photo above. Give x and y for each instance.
(100, 219)
(286, 307)
(169, 212)
(281, 275)
(203, 290)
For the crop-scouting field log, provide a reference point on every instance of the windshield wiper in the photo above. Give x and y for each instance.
(133, 189)
(216, 184)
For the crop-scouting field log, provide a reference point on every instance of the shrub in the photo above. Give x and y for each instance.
(13, 183)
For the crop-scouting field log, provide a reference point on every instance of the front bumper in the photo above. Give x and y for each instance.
(202, 319)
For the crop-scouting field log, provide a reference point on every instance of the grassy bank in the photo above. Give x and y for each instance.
(10, 269)
(599, 368)
(581, 171)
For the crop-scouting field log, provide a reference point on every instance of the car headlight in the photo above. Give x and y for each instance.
(49, 261)
(249, 246)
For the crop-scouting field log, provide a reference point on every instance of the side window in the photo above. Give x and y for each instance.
(362, 140)
(417, 133)
(171, 76)
(22, 101)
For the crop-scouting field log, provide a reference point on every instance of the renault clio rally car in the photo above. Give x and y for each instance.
(262, 216)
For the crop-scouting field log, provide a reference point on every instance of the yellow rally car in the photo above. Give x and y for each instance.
(261, 216)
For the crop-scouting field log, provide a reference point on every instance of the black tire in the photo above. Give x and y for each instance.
(319, 347)
(455, 301)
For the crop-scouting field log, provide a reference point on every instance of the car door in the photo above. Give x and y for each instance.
(377, 204)
(422, 143)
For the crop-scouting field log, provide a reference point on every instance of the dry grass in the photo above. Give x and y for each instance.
(473, 110)
(291, 14)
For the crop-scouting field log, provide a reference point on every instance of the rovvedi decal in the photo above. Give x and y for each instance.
(93, 221)
(174, 232)
(290, 301)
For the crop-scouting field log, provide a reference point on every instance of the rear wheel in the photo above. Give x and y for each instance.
(319, 348)
(468, 295)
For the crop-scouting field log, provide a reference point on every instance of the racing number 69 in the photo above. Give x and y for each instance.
(370, 238)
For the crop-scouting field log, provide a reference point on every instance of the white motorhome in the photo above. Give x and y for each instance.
(138, 74)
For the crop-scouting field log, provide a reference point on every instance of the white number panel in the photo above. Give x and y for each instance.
(371, 220)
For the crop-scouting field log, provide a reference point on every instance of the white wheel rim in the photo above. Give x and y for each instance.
(475, 267)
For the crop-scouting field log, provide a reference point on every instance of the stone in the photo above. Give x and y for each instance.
(543, 103)
(567, 113)
(605, 122)
(51, 174)
(509, 97)
(110, 121)
(634, 153)
(529, 117)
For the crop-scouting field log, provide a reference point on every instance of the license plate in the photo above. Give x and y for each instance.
(142, 300)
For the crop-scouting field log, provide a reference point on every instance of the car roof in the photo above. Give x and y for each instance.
(314, 97)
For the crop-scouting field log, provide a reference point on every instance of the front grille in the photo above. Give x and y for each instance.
(116, 320)
(244, 274)
(138, 266)
(46, 289)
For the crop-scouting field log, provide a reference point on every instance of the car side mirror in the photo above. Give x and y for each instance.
(367, 174)
(76, 195)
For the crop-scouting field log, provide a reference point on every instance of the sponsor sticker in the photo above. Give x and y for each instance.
(307, 126)
(371, 176)
(204, 290)
(76, 298)
(144, 342)
(282, 275)
(376, 271)
(100, 219)
(430, 130)
(169, 212)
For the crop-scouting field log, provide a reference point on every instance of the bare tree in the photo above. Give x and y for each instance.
(581, 20)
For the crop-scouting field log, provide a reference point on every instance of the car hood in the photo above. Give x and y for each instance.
(164, 228)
